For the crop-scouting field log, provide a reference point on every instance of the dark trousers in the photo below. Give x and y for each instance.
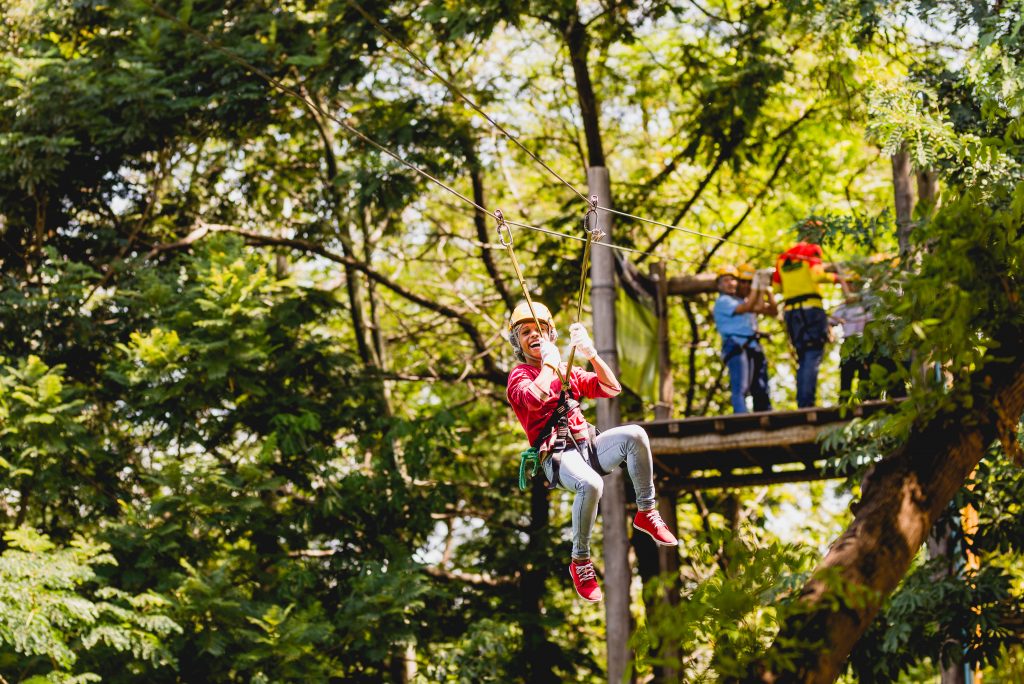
(808, 330)
(758, 378)
(748, 374)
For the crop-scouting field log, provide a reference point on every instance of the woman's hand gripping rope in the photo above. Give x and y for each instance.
(580, 338)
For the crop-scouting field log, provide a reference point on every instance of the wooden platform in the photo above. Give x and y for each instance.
(746, 449)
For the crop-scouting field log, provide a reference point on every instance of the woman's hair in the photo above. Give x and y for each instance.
(517, 348)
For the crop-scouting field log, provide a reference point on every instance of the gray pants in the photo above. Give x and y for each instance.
(627, 443)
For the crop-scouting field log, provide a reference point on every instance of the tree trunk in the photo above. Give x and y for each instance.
(927, 194)
(539, 654)
(483, 233)
(902, 497)
(578, 42)
(903, 193)
(353, 281)
(942, 544)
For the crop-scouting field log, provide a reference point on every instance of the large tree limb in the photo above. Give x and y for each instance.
(472, 578)
(903, 495)
(491, 370)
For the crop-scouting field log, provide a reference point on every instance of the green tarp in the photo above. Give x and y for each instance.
(636, 336)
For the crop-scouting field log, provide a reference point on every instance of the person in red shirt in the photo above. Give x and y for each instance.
(798, 273)
(573, 457)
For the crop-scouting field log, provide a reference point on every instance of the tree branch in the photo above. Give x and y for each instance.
(902, 497)
(492, 372)
(475, 579)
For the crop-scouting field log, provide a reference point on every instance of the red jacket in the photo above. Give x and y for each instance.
(533, 406)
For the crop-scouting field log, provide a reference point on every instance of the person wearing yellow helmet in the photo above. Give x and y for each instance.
(727, 270)
(574, 457)
(799, 272)
(736, 319)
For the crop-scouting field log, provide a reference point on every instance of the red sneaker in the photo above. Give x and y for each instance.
(651, 523)
(585, 579)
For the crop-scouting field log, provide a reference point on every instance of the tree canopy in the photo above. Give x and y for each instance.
(252, 332)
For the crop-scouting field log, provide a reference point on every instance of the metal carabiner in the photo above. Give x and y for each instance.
(590, 224)
(503, 229)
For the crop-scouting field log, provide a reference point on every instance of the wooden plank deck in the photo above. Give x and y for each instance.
(746, 449)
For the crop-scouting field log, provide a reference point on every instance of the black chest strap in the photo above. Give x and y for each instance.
(566, 404)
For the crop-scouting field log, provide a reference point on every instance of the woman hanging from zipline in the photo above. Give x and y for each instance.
(570, 453)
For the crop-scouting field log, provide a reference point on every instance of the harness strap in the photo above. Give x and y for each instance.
(749, 339)
(556, 465)
(566, 403)
(801, 298)
(591, 455)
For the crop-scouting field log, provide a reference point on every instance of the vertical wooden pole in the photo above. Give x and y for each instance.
(613, 504)
(669, 555)
(663, 409)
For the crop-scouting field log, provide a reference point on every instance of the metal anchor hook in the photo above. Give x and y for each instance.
(590, 221)
(504, 230)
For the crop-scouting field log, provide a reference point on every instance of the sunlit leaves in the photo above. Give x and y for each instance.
(49, 607)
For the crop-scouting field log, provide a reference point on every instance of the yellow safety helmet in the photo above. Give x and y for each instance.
(745, 271)
(727, 270)
(522, 313)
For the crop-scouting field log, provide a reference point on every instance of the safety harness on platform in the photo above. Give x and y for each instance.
(748, 342)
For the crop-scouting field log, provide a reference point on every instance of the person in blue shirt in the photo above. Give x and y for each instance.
(736, 320)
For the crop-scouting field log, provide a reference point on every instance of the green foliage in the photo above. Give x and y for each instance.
(54, 617)
(949, 618)
(279, 443)
(732, 614)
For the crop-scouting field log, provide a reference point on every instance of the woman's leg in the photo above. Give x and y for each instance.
(629, 443)
(576, 476)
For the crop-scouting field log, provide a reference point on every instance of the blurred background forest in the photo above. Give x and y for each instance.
(253, 424)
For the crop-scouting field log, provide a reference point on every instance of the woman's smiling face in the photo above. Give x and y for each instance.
(530, 338)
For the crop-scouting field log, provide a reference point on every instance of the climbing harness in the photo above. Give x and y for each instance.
(749, 340)
(558, 422)
(531, 459)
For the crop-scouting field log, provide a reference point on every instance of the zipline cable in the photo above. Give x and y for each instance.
(683, 230)
(455, 90)
(313, 106)
(458, 93)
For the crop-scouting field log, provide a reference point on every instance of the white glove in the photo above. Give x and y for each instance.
(579, 338)
(762, 279)
(549, 354)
